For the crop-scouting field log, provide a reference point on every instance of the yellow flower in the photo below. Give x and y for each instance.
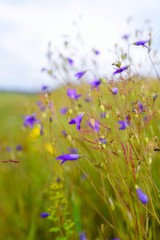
(49, 148)
(34, 133)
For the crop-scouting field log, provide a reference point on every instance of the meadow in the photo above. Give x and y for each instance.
(82, 162)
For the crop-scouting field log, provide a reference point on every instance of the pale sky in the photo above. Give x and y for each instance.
(26, 27)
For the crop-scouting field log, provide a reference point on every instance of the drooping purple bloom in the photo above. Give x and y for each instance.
(68, 157)
(125, 36)
(102, 140)
(114, 90)
(97, 52)
(73, 150)
(140, 107)
(41, 106)
(103, 114)
(124, 124)
(95, 83)
(19, 147)
(115, 239)
(70, 61)
(142, 196)
(44, 214)
(64, 110)
(82, 236)
(77, 120)
(141, 43)
(121, 69)
(30, 120)
(78, 75)
(8, 149)
(44, 88)
(73, 94)
(94, 125)
(64, 133)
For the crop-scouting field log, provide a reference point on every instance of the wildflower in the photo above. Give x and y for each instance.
(124, 124)
(97, 52)
(19, 148)
(8, 149)
(78, 75)
(82, 236)
(70, 61)
(120, 69)
(40, 105)
(73, 150)
(35, 133)
(72, 94)
(94, 124)
(44, 88)
(30, 120)
(142, 196)
(103, 114)
(115, 239)
(95, 83)
(68, 157)
(125, 36)
(102, 140)
(64, 133)
(49, 148)
(141, 43)
(140, 107)
(64, 110)
(114, 90)
(77, 120)
(44, 215)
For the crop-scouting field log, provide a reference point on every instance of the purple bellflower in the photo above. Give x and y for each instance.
(41, 106)
(94, 125)
(141, 43)
(114, 90)
(82, 236)
(102, 140)
(124, 124)
(19, 147)
(68, 157)
(95, 83)
(125, 36)
(97, 52)
(103, 114)
(44, 88)
(79, 75)
(73, 94)
(121, 69)
(142, 196)
(30, 120)
(64, 110)
(44, 215)
(8, 149)
(73, 150)
(77, 120)
(70, 61)
(140, 107)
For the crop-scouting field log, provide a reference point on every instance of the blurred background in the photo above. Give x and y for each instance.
(27, 26)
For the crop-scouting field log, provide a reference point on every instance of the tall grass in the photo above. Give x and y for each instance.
(95, 176)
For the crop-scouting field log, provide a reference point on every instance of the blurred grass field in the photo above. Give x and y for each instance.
(24, 185)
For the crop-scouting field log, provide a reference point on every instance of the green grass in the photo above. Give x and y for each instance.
(99, 189)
